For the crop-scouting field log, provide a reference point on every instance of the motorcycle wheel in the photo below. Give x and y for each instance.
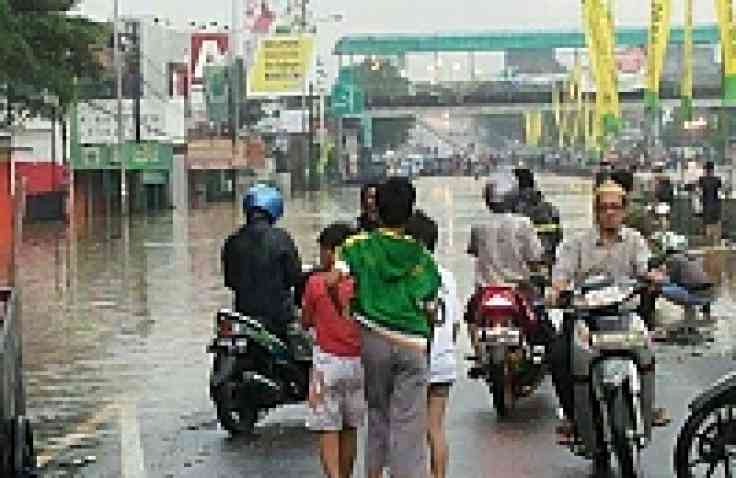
(236, 417)
(502, 389)
(625, 459)
(706, 433)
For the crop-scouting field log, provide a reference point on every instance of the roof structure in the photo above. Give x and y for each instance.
(401, 44)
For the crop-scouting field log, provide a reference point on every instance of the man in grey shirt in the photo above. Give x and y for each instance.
(506, 246)
(608, 248)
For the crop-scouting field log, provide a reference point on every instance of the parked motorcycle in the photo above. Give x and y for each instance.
(706, 444)
(511, 345)
(689, 287)
(613, 365)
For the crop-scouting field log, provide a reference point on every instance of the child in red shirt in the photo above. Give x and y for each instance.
(336, 394)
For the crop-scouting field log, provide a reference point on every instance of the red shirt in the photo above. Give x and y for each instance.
(336, 334)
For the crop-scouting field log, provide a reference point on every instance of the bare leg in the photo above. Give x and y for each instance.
(348, 450)
(330, 453)
(436, 436)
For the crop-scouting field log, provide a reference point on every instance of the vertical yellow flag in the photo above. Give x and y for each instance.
(601, 39)
(686, 92)
(724, 10)
(659, 33)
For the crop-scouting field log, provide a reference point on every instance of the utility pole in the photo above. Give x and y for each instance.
(137, 81)
(118, 149)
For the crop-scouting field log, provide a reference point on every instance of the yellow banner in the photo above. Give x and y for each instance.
(659, 34)
(281, 66)
(599, 27)
(687, 75)
(724, 10)
(533, 127)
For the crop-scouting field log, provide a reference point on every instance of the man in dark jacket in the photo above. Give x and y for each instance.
(261, 262)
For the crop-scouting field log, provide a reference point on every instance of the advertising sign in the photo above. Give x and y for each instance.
(281, 66)
(207, 48)
(213, 154)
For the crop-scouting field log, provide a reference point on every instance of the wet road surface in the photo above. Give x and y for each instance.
(115, 329)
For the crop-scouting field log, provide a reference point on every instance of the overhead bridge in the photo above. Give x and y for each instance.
(513, 102)
(502, 40)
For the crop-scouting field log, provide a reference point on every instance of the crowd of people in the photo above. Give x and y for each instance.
(384, 313)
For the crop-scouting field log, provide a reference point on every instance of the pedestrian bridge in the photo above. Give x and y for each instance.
(501, 40)
(514, 103)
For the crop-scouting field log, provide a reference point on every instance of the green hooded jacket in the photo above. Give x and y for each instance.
(394, 275)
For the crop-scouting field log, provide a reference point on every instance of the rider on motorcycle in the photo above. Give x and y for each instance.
(506, 247)
(261, 263)
(608, 248)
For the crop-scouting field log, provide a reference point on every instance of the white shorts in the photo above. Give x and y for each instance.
(342, 400)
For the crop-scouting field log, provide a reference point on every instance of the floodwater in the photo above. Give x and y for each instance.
(113, 318)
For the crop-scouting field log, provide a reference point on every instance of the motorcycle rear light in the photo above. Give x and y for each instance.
(225, 328)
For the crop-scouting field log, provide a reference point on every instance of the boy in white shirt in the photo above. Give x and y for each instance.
(442, 348)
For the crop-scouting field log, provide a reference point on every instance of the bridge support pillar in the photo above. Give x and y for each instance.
(471, 66)
(401, 64)
(437, 67)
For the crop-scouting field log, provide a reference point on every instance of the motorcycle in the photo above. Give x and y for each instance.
(510, 345)
(613, 364)
(253, 370)
(689, 285)
(706, 444)
(546, 220)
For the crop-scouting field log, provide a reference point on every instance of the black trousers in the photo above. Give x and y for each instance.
(561, 369)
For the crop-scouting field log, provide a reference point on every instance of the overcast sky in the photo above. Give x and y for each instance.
(411, 15)
(407, 16)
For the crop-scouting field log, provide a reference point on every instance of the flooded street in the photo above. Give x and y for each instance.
(115, 328)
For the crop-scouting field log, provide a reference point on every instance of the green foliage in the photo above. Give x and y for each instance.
(42, 48)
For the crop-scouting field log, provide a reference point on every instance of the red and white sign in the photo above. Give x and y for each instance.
(207, 48)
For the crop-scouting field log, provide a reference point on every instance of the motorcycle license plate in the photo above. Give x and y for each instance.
(614, 371)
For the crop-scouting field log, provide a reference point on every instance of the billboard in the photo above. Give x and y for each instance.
(281, 66)
(207, 49)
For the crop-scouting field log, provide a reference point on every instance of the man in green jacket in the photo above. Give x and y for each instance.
(396, 279)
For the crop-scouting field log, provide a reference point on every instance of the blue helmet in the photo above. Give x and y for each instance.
(265, 198)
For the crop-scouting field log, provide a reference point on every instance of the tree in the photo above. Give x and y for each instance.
(43, 49)
(383, 79)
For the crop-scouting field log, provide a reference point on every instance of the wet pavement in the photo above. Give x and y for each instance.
(116, 324)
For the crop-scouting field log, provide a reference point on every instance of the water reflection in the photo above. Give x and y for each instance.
(111, 316)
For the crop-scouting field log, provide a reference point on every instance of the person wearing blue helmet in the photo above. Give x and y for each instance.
(261, 262)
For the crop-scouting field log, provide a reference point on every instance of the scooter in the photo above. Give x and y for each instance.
(689, 285)
(254, 371)
(511, 345)
(613, 364)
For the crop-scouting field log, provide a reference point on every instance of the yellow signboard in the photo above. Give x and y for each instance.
(281, 66)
